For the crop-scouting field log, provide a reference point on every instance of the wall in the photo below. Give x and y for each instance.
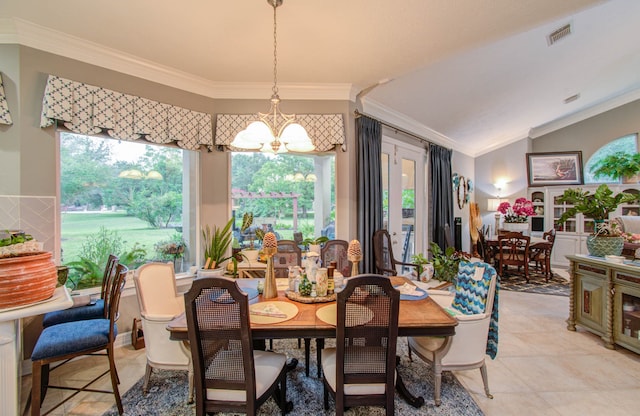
(28, 154)
(463, 165)
(591, 134)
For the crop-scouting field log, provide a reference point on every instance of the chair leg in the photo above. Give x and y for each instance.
(485, 380)
(319, 347)
(191, 385)
(438, 382)
(307, 355)
(114, 378)
(326, 396)
(36, 388)
(147, 377)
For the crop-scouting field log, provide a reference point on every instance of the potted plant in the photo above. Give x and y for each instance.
(251, 253)
(605, 239)
(216, 242)
(619, 165)
(313, 244)
(445, 263)
(424, 268)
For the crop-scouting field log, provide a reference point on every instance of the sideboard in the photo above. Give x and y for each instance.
(605, 299)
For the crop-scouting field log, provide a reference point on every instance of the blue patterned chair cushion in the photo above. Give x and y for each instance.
(80, 313)
(71, 337)
(471, 294)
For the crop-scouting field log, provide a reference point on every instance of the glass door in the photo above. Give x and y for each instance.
(404, 197)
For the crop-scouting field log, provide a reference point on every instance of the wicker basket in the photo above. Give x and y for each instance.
(27, 279)
(308, 299)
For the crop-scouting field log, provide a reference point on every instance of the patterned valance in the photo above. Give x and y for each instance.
(325, 130)
(5, 116)
(87, 109)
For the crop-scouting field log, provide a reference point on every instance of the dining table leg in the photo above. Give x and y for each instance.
(415, 401)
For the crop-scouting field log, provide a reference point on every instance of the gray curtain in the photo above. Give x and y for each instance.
(441, 193)
(369, 179)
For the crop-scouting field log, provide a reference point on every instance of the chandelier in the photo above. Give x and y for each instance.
(275, 132)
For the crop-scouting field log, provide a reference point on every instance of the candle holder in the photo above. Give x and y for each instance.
(269, 248)
(354, 264)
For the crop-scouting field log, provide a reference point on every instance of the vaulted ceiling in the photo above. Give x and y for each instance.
(473, 75)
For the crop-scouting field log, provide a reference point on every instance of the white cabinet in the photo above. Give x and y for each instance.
(571, 237)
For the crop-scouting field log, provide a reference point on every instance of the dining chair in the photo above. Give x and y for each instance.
(336, 250)
(513, 250)
(540, 253)
(94, 310)
(385, 261)
(230, 376)
(69, 340)
(474, 308)
(288, 254)
(159, 303)
(361, 369)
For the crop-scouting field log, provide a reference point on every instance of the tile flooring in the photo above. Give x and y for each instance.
(541, 368)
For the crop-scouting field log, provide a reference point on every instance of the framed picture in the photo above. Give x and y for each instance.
(554, 168)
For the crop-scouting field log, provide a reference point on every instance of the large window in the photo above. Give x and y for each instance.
(627, 144)
(286, 193)
(127, 198)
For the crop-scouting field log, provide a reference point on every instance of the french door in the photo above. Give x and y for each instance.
(404, 197)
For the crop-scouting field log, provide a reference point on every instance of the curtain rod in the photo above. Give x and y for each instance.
(397, 129)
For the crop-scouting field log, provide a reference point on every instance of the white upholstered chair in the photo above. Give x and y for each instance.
(159, 303)
(465, 350)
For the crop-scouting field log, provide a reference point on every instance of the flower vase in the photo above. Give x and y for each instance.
(604, 245)
(519, 227)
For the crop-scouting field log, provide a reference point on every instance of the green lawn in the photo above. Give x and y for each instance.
(76, 226)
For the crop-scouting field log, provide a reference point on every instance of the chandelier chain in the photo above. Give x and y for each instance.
(275, 53)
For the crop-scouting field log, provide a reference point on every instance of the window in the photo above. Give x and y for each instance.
(627, 144)
(127, 198)
(286, 193)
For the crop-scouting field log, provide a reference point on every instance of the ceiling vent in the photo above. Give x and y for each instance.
(571, 99)
(558, 34)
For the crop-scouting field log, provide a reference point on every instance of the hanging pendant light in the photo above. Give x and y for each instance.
(275, 132)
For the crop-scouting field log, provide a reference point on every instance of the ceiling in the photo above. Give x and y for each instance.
(473, 75)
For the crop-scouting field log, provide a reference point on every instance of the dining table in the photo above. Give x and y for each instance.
(419, 317)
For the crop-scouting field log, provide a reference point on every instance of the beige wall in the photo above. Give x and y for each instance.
(591, 134)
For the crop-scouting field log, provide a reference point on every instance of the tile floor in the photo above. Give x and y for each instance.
(541, 368)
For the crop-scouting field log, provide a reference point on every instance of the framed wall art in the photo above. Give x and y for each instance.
(554, 168)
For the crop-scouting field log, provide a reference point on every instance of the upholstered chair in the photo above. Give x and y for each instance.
(159, 303)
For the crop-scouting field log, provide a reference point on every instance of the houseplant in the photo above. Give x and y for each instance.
(516, 217)
(619, 165)
(313, 244)
(445, 263)
(216, 242)
(251, 253)
(605, 239)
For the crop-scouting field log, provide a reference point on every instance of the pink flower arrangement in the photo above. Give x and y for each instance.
(519, 212)
(631, 238)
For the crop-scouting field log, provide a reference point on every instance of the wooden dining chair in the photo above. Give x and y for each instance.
(96, 310)
(69, 340)
(288, 254)
(513, 250)
(540, 253)
(361, 369)
(230, 376)
(385, 261)
(336, 250)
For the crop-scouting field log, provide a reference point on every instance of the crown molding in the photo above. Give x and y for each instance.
(581, 115)
(23, 32)
(395, 118)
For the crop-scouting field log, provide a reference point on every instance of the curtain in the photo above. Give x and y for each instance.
(87, 109)
(5, 116)
(325, 130)
(369, 180)
(441, 193)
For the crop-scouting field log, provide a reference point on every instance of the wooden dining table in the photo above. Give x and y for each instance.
(423, 317)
